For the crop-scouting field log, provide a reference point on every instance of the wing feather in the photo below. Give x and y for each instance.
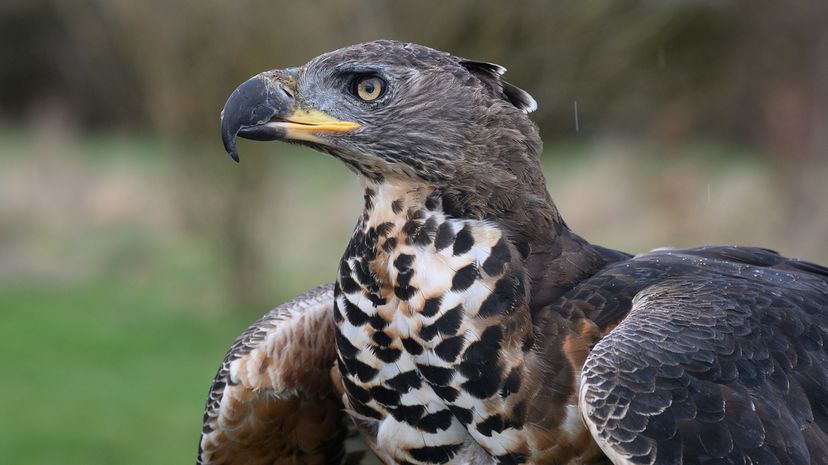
(272, 400)
(726, 368)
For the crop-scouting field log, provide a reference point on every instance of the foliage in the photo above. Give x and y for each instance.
(733, 69)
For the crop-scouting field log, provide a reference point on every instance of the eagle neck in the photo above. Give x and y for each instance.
(555, 258)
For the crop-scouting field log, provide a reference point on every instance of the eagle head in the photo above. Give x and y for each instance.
(393, 110)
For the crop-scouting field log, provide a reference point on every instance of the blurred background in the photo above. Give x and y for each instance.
(133, 251)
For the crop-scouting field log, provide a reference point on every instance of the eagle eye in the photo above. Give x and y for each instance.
(368, 88)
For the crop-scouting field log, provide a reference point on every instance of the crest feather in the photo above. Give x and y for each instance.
(491, 73)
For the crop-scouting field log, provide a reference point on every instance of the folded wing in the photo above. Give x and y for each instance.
(716, 368)
(272, 400)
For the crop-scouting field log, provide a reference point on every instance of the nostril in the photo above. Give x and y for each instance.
(287, 92)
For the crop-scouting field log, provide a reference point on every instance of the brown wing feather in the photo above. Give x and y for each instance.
(272, 400)
(725, 363)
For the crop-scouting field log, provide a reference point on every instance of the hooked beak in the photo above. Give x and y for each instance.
(263, 108)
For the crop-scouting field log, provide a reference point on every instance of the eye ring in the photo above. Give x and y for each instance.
(368, 87)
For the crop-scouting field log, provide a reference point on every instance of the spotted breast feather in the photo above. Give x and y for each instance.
(432, 332)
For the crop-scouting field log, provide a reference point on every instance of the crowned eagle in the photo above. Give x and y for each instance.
(467, 324)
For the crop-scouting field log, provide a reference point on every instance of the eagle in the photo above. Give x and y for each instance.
(468, 324)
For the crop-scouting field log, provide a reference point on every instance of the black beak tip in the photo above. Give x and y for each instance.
(228, 138)
(251, 105)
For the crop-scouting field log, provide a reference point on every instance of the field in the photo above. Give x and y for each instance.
(128, 264)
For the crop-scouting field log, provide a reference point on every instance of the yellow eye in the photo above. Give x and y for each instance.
(370, 88)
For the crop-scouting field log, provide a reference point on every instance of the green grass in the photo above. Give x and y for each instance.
(102, 372)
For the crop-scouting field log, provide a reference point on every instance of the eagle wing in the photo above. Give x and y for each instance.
(726, 367)
(272, 400)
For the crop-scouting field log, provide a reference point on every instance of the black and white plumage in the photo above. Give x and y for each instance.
(468, 324)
